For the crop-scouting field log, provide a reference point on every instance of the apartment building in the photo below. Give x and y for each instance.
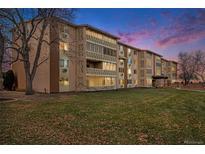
(86, 58)
(149, 66)
(172, 72)
(128, 66)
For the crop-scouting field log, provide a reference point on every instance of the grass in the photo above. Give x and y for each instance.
(132, 116)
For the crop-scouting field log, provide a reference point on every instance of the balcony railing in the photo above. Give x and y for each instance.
(98, 56)
(101, 88)
(99, 41)
(100, 72)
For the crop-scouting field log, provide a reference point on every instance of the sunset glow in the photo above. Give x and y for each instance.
(165, 31)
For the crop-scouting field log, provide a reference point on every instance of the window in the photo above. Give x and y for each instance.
(142, 81)
(129, 52)
(121, 82)
(121, 62)
(100, 81)
(129, 61)
(142, 63)
(149, 56)
(142, 73)
(122, 53)
(158, 64)
(121, 69)
(129, 81)
(109, 52)
(92, 47)
(66, 63)
(149, 63)
(149, 71)
(61, 62)
(109, 66)
(141, 55)
(129, 71)
(135, 52)
(63, 46)
(135, 71)
(66, 82)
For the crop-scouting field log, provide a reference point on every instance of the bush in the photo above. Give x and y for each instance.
(8, 80)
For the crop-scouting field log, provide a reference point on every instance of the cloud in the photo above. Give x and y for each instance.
(186, 28)
(170, 29)
(133, 37)
(181, 38)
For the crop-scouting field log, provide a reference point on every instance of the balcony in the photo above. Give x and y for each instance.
(100, 72)
(100, 41)
(122, 55)
(99, 56)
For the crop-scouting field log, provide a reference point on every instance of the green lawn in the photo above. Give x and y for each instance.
(132, 116)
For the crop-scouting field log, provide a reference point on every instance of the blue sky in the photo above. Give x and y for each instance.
(165, 31)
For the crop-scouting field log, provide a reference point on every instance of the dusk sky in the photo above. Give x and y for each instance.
(164, 31)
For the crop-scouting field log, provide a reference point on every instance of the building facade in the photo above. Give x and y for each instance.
(88, 59)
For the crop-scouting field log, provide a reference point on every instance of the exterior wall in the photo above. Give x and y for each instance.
(103, 50)
(41, 82)
(68, 55)
(85, 59)
(54, 56)
(128, 67)
(146, 65)
(172, 71)
(132, 73)
(122, 67)
(158, 66)
(80, 79)
(149, 65)
(164, 67)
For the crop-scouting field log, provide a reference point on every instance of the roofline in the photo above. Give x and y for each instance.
(173, 61)
(127, 45)
(170, 60)
(87, 26)
(165, 59)
(152, 52)
(99, 30)
(105, 33)
(64, 21)
(119, 42)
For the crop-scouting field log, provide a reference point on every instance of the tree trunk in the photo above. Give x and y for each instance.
(1, 77)
(1, 58)
(29, 81)
(29, 85)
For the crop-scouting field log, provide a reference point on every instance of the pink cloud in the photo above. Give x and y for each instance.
(185, 28)
(133, 37)
(181, 38)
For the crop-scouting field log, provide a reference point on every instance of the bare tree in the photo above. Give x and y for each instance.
(199, 57)
(187, 65)
(2, 47)
(38, 19)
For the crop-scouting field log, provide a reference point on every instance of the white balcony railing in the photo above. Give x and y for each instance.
(98, 56)
(100, 72)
